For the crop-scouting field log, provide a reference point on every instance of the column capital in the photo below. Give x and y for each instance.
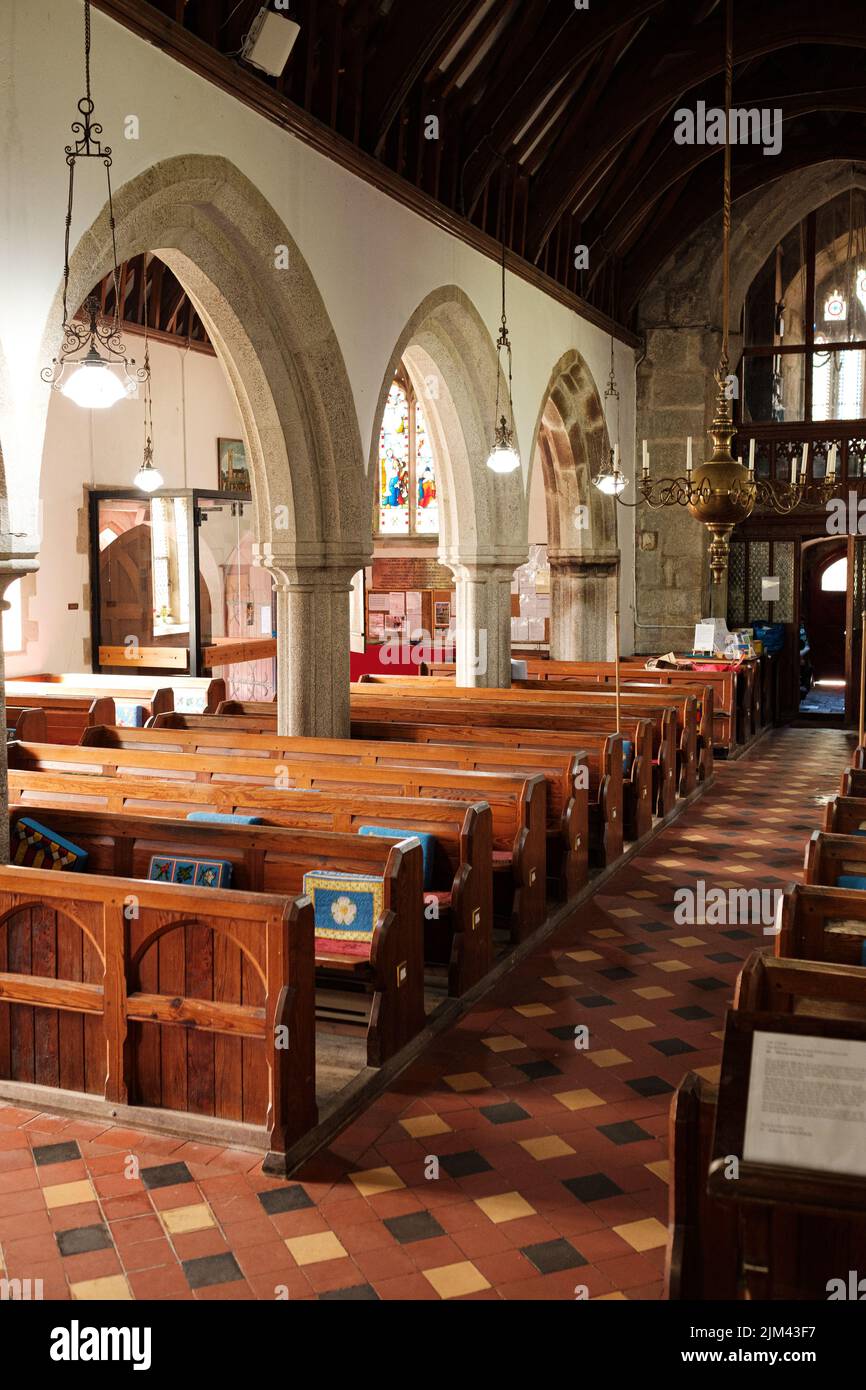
(589, 562)
(485, 567)
(291, 569)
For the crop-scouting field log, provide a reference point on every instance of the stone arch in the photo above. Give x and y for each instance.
(271, 330)
(451, 361)
(220, 236)
(570, 445)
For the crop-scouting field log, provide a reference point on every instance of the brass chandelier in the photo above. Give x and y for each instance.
(722, 492)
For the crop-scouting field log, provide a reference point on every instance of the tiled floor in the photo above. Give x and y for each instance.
(517, 1159)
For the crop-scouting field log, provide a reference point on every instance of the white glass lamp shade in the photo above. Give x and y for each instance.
(611, 484)
(503, 459)
(93, 385)
(148, 478)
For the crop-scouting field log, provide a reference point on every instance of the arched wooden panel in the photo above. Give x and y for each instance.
(186, 1069)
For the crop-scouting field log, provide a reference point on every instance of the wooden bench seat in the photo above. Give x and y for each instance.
(460, 939)
(272, 860)
(518, 804)
(421, 702)
(27, 725)
(845, 815)
(73, 702)
(65, 716)
(604, 753)
(693, 705)
(733, 695)
(818, 920)
(815, 989)
(189, 1000)
(673, 771)
(697, 1223)
(566, 775)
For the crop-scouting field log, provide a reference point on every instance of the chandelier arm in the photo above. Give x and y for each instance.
(726, 209)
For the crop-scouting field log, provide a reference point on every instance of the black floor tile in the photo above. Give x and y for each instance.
(285, 1199)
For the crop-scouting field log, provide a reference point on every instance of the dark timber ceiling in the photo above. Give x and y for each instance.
(556, 124)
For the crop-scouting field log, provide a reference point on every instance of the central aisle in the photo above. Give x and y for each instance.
(552, 1166)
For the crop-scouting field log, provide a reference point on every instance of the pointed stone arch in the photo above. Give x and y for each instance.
(267, 320)
(451, 360)
(570, 445)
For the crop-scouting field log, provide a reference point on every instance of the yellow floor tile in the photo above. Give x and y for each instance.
(467, 1081)
(374, 1181)
(617, 1297)
(632, 1022)
(315, 1249)
(113, 1287)
(670, 966)
(653, 992)
(642, 893)
(711, 1074)
(582, 956)
(608, 1057)
(69, 1194)
(656, 878)
(623, 912)
(532, 1010)
(550, 1147)
(648, 1234)
(505, 1043)
(605, 933)
(424, 1126)
(661, 1168)
(560, 981)
(578, 1100)
(507, 1206)
(687, 941)
(179, 1220)
(453, 1281)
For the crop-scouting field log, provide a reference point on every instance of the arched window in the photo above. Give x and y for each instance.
(834, 580)
(408, 498)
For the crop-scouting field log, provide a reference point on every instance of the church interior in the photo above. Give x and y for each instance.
(433, 586)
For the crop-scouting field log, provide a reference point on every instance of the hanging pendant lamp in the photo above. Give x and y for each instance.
(503, 457)
(92, 369)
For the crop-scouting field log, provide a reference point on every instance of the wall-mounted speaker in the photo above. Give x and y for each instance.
(270, 41)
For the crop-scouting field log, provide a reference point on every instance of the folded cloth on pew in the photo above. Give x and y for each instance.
(36, 846)
(196, 873)
(428, 845)
(851, 881)
(222, 818)
(128, 714)
(627, 756)
(347, 908)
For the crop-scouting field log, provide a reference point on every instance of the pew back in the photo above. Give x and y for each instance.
(175, 1007)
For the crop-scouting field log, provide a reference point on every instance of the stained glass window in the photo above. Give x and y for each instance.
(408, 494)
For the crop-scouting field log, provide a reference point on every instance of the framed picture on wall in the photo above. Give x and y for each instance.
(234, 473)
(442, 614)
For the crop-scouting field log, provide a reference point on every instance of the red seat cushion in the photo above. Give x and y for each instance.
(330, 946)
(502, 858)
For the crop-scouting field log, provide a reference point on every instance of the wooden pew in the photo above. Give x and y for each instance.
(817, 989)
(604, 754)
(27, 725)
(731, 713)
(65, 716)
(695, 707)
(566, 775)
(175, 1006)
(822, 922)
(854, 782)
(204, 691)
(462, 937)
(674, 719)
(565, 710)
(518, 804)
(697, 1223)
(274, 860)
(845, 815)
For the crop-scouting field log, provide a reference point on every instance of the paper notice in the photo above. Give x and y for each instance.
(807, 1103)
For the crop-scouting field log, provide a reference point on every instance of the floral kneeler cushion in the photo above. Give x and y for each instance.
(347, 908)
